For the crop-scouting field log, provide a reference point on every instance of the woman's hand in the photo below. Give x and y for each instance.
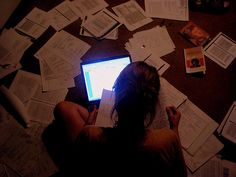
(174, 117)
(92, 116)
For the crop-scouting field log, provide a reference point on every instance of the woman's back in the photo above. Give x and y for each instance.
(104, 149)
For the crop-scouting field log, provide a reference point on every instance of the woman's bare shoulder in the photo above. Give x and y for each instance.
(160, 138)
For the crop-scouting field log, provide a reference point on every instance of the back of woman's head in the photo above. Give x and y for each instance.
(136, 93)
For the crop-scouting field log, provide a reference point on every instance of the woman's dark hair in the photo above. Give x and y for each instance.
(136, 94)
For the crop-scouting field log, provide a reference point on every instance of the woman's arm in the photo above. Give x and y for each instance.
(73, 117)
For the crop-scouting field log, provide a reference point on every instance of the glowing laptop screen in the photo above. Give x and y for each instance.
(102, 74)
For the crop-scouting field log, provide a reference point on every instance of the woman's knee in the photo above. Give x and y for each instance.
(60, 109)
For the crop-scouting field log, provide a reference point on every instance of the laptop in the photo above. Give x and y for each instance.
(101, 74)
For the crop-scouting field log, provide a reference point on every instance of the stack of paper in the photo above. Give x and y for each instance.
(150, 45)
(101, 24)
(60, 60)
(12, 48)
(155, 41)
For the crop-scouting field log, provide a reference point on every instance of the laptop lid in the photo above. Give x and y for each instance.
(101, 74)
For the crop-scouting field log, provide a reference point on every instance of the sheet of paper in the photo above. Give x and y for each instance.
(12, 47)
(229, 168)
(211, 168)
(105, 109)
(62, 15)
(132, 14)
(201, 127)
(35, 23)
(24, 85)
(137, 52)
(53, 81)
(210, 148)
(193, 121)
(222, 50)
(40, 112)
(229, 128)
(36, 130)
(7, 8)
(88, 7)
(157, 40)
(67, 46)
(6, 171)
(171, 95)
(168, 96)
(101, 24)
(15, 104)
(168, 9)
(150, 43)
(40, 107)
(5, 71)
(58, 64)
(222, 124)
(158, 63)
(52, 97)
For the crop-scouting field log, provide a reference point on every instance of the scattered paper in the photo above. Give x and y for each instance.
(39, 105)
